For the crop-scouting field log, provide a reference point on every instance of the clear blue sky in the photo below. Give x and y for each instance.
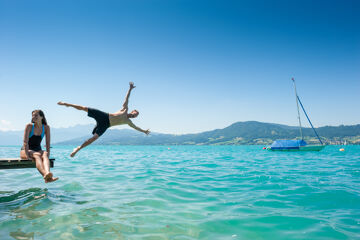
(197, 65)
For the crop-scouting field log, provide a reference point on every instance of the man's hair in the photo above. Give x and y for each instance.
(132, 115)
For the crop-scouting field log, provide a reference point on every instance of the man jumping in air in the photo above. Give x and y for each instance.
(106, 120)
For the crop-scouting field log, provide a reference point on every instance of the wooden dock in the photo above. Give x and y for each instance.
(13, 163)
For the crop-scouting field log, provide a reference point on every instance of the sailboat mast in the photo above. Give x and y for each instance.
(297, 104)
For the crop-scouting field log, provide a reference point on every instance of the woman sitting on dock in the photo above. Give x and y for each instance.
(33, 135)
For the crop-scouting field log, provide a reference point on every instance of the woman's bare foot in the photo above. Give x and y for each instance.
(74, 151)
(53, 179)
(48, 176)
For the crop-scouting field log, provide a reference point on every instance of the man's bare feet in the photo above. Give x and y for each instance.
(74, 151)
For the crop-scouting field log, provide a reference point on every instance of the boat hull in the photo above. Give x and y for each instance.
(315, 148)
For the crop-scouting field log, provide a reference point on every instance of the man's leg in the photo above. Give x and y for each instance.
(86, 143)
(78, 107)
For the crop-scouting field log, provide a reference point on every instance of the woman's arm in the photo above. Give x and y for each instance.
(26, 140)
(47, 135)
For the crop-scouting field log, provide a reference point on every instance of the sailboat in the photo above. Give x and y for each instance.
(297, 145)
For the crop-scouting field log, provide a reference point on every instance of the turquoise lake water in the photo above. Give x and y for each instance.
(184, 192)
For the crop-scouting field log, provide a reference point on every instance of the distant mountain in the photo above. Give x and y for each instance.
(239, 133)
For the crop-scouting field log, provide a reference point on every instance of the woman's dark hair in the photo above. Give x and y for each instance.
(41, 113)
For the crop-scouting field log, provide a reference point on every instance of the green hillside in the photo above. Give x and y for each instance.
(240, 133)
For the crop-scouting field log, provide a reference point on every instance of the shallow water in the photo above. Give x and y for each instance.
(184, 192)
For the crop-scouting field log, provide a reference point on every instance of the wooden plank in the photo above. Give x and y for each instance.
(13, 163)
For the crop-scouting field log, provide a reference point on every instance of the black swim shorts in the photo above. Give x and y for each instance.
(102, 120)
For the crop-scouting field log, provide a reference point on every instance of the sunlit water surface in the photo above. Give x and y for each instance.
(184, 192)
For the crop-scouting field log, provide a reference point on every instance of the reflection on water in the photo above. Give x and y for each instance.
(30, 204)
(20, 235)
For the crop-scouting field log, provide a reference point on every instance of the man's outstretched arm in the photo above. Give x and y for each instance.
(126, 103)
(147, 132)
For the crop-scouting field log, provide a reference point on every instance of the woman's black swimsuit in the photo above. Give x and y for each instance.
(35, 140)
(102, 121)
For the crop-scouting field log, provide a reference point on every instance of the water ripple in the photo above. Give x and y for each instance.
(185, 192)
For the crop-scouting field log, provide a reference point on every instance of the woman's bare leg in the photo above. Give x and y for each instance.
(86, 143)
(46, 164)
(31, 152)
(48, 177)
(42, 164)
(39, 163)
(22, 154)
(78, 107)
